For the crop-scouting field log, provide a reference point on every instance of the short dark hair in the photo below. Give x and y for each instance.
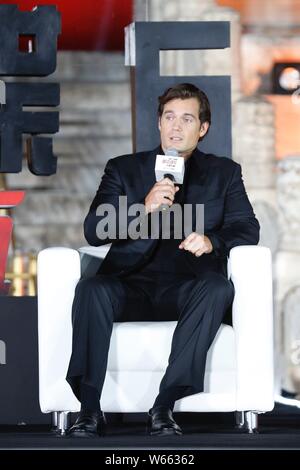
(184, 91)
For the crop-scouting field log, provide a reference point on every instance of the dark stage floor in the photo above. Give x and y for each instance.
(278, 430)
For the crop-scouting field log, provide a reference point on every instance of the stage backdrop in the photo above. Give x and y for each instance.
(90, 25)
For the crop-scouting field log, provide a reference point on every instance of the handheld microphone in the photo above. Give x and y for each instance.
(171, 166)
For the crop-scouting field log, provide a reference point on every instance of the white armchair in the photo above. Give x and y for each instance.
(239, 369)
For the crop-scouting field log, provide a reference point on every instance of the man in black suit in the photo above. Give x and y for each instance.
(161, 279)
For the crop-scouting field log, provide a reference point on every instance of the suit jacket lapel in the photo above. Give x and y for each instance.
(201, 160)
(146, 164)
(195, 186)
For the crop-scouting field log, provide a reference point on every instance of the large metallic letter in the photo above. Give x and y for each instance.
(144, 40)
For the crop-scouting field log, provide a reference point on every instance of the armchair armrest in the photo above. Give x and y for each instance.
(59, 270)
(91, 258)
(95, 251)
(58, 274)
(250, 269)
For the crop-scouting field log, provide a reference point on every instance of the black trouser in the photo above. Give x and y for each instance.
(198, 304)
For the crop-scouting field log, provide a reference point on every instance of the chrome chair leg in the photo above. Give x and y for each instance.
(60, 421)
(54, 420)
(247, 421)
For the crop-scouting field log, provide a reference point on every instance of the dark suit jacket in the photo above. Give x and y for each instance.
(229, 220)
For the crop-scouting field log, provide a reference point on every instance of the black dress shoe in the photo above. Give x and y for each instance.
(88, 424)
(161, 422)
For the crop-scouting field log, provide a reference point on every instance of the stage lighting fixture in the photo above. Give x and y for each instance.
(286, 78)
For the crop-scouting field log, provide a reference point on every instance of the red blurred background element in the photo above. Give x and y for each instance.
(7, 199)
(89, 25)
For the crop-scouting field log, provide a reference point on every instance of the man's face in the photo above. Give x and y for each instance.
(180, 127)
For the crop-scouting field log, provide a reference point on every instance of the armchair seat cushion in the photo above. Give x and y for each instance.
(145, 346)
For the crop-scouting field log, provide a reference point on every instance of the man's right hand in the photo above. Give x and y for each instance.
(163, 192)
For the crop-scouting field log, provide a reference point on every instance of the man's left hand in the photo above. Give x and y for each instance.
(197, 244)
